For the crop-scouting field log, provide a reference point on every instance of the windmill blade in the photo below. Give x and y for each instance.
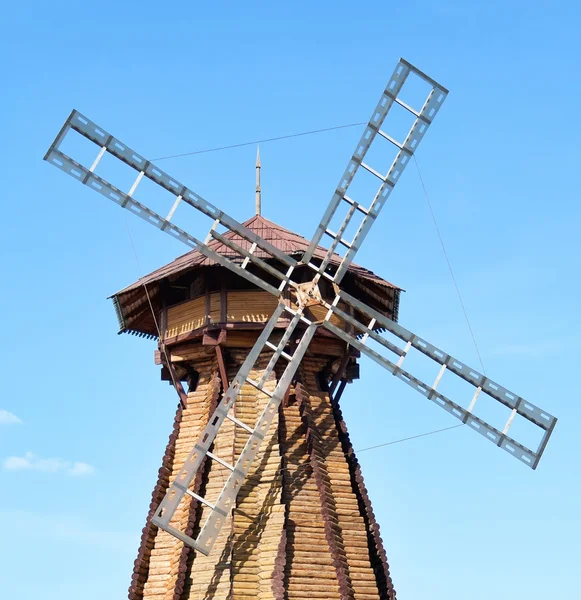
(483, 386)
(356, 208)
(181, 487)
(144, 168)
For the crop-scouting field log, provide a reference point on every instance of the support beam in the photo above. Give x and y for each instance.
(179, 388)
(222, 367)
(213, 336)
(337, 396)
(339, 375)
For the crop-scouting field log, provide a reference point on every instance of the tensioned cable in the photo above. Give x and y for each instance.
(413, 437)
(144, 285)
(163, 348)
(273, 139)
(449, 265)
(314, 132)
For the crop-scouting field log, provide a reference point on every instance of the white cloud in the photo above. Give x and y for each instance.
(7, 418)
(16, 463)
(32, 462)
(81, 468)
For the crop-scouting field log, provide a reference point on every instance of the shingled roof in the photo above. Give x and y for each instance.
(132, 304)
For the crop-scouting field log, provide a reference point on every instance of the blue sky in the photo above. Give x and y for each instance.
(85, 418)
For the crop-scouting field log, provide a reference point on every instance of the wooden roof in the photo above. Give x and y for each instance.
(132, 303)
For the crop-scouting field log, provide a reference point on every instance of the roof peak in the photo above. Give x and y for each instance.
(262, 220)
(287, 241)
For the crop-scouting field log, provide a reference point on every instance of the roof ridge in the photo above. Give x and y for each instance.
(285, 240)
(272, 225)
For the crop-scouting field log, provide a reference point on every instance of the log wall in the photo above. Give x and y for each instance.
(301, 527)
(240, 307)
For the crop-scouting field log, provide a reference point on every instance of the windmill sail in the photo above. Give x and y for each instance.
(143, 167)
(483, 386)
(257, 431)
(422, 119)
(302, 328)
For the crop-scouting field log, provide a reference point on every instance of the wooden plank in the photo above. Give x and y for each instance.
(214, 308)
(222, 366)
(185, 317)
(223, 303)
(250, 306)
(207, 306)
(177, 384)
(340, 372)
(162, 323)
(294, 530)
(340, 391)
(157, 357)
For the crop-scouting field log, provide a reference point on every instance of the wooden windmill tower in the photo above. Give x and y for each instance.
(259, 495)
(281, 534)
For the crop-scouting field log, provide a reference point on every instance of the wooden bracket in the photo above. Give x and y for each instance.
(286, 396)
(175, 380)
(340, 374)
(222, 367)
(337, 396)
(214, 336)
(157, 357)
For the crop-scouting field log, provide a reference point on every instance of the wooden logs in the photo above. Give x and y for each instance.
(230, 307)
(302, 526)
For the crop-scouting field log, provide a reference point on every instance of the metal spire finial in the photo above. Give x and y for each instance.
(258, 191)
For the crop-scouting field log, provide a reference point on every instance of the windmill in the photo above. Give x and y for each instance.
(311, 301)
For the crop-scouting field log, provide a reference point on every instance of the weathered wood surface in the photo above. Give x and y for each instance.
(327, 347)
(185, 317)
(301, 528)
(229, 306)
(250, 307)
(164, 564)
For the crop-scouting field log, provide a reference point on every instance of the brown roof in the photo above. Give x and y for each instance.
(131, 300)
(289, 242)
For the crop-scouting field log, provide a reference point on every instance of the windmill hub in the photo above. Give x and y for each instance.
(308, 294)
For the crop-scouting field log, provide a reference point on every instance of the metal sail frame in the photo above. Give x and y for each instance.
(277, 278)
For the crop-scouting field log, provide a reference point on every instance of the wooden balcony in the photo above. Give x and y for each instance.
(241, 309)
